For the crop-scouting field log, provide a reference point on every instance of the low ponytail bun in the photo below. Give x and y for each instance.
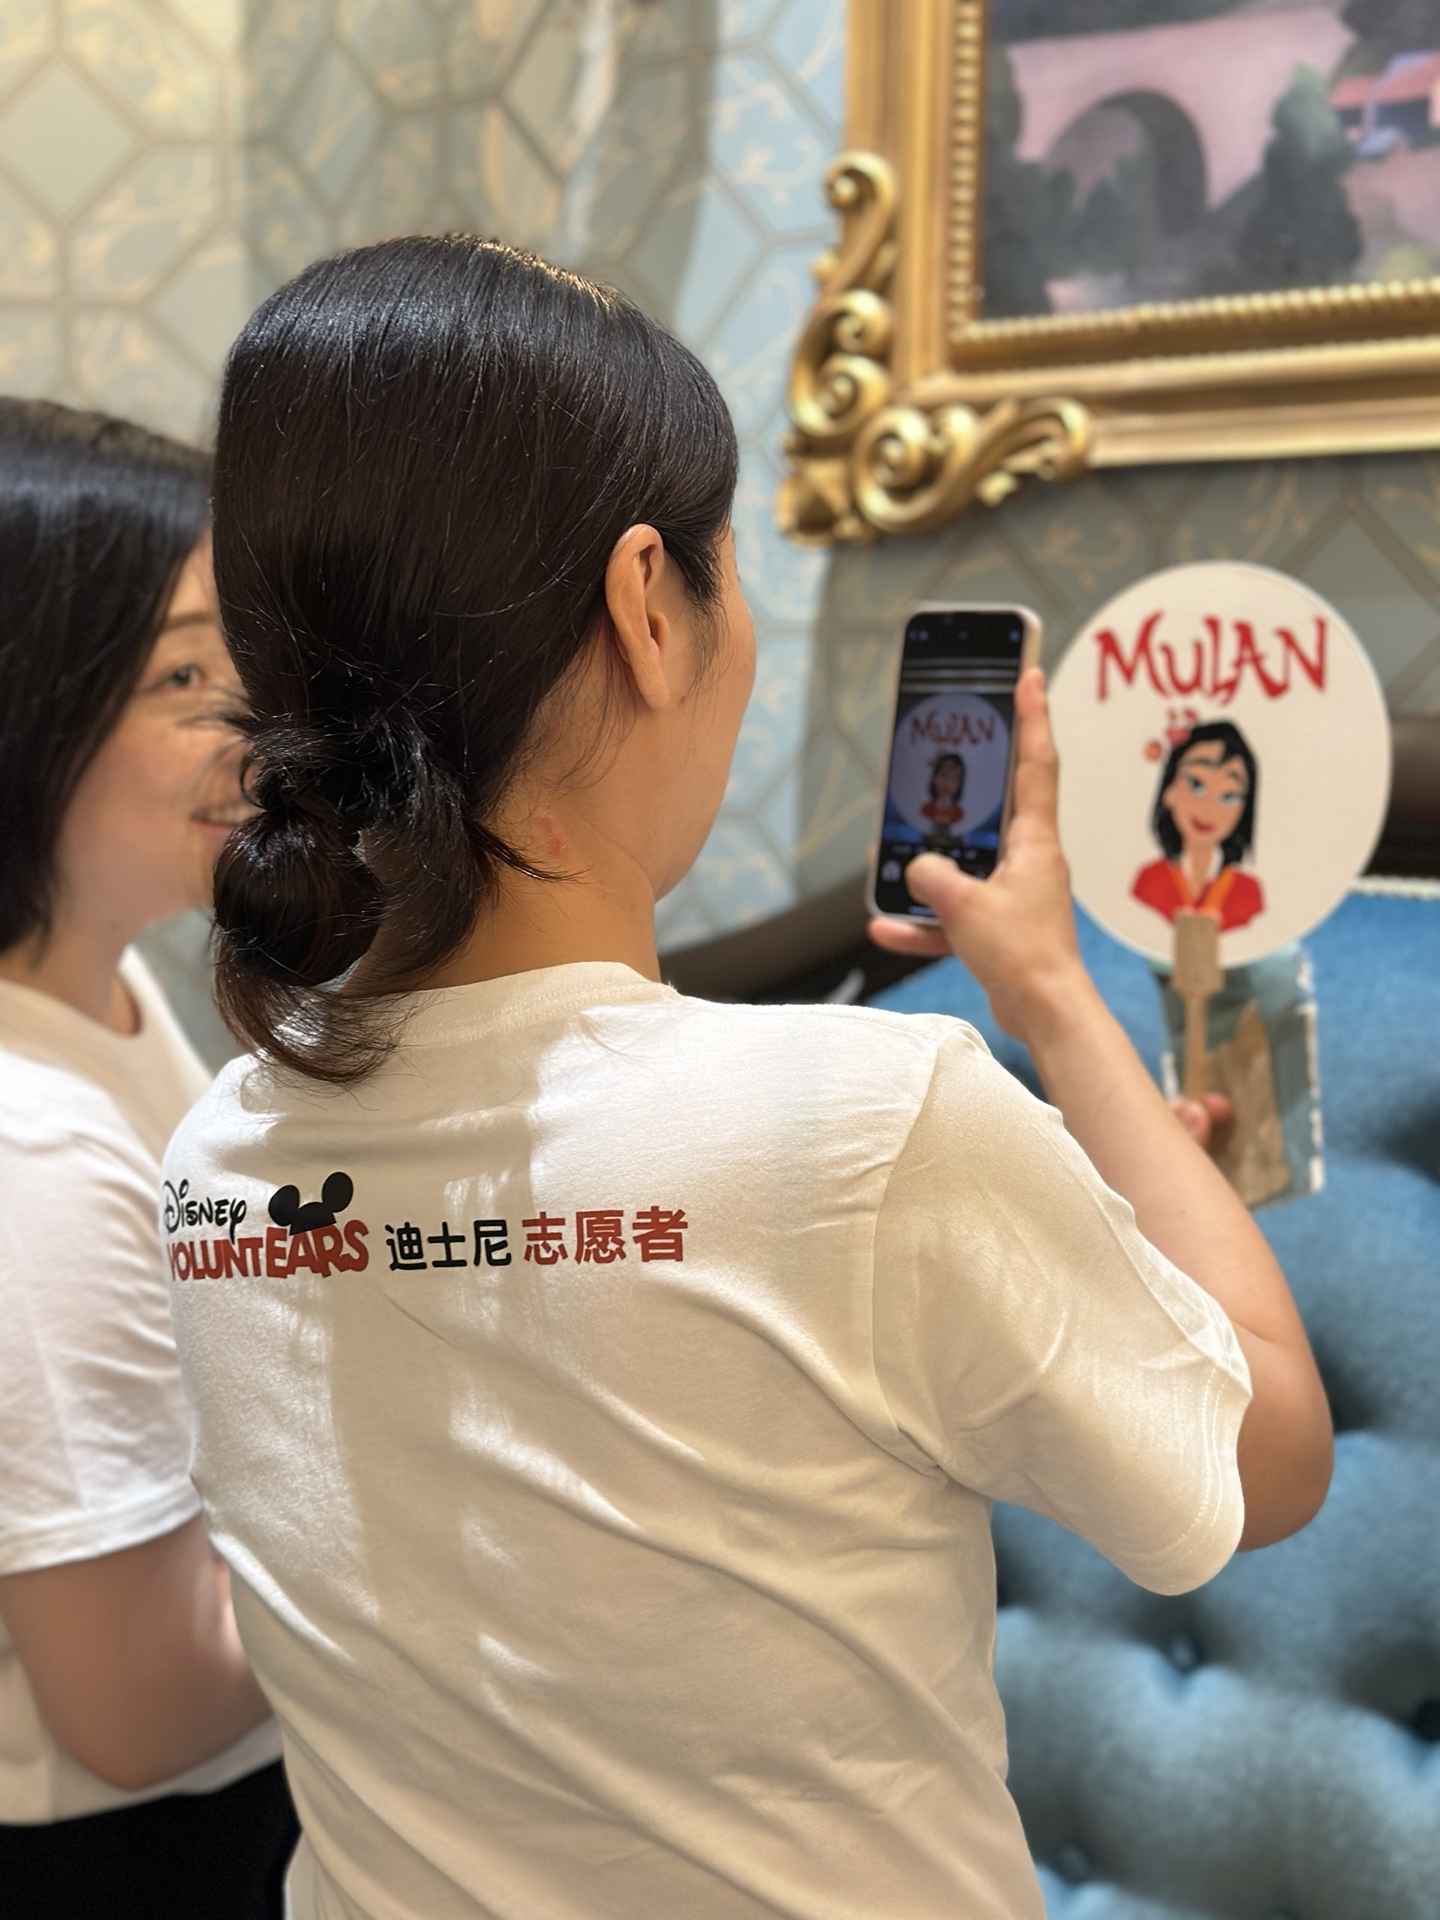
(358, 827)
(293, 898)
(296, 903)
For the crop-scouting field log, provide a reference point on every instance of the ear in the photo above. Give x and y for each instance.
(640, 584)
(337, 1192)
(284, 1205)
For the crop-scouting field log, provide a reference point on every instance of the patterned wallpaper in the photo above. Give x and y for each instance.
(123, 261)
(163, 163)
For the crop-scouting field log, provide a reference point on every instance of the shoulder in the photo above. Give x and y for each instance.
(977, 1115)
(166, 1038)
(827, 1041)
(51, 1111)
(244, 1088)
(806, 1101)
(815, 1081)
(81, 1192)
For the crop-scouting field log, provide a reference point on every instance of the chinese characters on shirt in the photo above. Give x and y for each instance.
(597, 1238)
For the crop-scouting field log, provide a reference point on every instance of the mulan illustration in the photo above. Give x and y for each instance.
(943, 809)
(1204, 819)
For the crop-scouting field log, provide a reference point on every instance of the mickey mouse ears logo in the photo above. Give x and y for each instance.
(287, 1210)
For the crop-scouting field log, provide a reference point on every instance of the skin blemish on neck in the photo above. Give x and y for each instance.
(548, 832)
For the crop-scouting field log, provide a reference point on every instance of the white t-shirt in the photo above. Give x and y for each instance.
(607, 1484)
(94, 1428)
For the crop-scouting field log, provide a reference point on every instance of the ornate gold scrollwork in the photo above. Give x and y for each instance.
(912, 470)
(862, 461)
(841, 374)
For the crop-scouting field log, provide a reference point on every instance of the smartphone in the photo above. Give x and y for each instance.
(952, 745)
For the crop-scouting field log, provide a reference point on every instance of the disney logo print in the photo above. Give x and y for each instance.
(180, 1210)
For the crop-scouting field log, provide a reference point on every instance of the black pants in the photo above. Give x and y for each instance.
(200, 1856)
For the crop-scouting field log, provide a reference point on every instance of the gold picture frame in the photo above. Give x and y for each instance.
(907, 405)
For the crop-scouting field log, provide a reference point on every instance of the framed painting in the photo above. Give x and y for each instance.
(1109, 232)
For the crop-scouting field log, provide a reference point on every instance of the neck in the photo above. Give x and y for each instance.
(79, 965)
(600, 907)
(1199, 862)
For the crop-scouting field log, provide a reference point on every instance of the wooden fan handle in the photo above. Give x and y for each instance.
(1193, 1079)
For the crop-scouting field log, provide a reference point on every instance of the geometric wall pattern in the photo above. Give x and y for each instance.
(122, 248)
(164, 163)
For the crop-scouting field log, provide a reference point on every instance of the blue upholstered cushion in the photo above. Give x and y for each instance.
(1269, 1746)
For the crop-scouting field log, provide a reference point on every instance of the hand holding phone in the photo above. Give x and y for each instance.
(1016, 929)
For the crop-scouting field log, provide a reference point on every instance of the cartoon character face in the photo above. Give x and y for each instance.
(1206, 797)
(947, 781)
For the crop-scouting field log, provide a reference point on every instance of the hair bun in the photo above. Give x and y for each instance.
(379, 766)
(293, 894)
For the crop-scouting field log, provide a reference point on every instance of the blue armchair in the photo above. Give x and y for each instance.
(1267, 1748)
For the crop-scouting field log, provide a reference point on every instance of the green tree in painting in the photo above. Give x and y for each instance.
(1301, 231)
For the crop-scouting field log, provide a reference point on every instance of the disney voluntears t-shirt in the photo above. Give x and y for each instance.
(94, 1427)
(600, 1409)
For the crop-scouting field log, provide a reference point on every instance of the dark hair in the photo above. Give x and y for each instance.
(1233, 746)
(97, 517)
(427, 451)
(955, 761)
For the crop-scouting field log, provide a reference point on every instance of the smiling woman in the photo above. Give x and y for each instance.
(150, 810)
(138, 1768)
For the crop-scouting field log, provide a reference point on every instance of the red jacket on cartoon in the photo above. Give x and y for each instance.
(1235, 896)
(945, 813)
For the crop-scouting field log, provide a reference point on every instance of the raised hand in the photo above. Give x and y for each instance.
(1016, 930)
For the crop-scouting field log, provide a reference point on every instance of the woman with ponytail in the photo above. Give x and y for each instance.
(600, 1407)
(139, 1767)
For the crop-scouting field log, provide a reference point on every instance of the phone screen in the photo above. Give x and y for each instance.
(950, 753)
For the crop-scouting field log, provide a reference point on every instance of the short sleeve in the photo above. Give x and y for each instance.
(1034, 1345)
(94, 1426)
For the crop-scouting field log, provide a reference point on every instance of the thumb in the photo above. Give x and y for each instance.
(938, 883)
(1194, 1116)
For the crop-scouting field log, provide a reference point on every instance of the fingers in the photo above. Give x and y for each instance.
(1202, 1119)
(934, 882)
(909, 937)
(1037, 765)
(1193, 1116)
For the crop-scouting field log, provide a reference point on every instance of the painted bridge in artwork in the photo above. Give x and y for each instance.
(1222, 75)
